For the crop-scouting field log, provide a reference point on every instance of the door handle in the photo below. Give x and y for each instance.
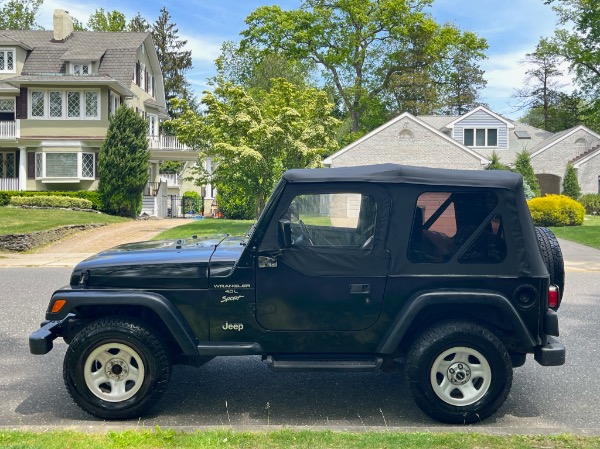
(360, 289)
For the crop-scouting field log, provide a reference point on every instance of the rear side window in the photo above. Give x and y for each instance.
(444, 221)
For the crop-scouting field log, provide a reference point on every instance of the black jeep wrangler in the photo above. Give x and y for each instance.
(351, 269)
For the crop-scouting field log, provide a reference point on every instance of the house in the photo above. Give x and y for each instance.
(468, 141)
(57, 91)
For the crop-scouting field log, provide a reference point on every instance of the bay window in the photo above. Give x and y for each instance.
(65, 165)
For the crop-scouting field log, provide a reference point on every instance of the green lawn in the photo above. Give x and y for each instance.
(588, 234)
(284, 439)
(206, 227)
(15, 220)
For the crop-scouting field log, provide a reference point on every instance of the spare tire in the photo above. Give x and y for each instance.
(552, 256)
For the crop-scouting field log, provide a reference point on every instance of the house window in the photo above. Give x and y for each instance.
(7, 109)
(150, 84)
(482, 137)
(115, 102)
(61, 165)
(81, 69)
(142, 76)
(8, 165)
(87, 165)
(38, 165)
(7, 61)
(56, 104)
(37, 103)
(60, 104)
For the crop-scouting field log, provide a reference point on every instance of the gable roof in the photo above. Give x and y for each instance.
(478, 109)
(558, 137)
(584, 158)
(408, 115)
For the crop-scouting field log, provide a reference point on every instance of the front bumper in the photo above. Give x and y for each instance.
(40, 342)
(551, 354)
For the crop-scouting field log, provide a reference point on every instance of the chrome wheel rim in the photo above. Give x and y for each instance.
(114, 372)
(460, 376)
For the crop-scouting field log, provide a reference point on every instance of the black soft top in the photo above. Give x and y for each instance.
(404, 174)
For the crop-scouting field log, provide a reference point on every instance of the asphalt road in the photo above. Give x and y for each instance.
(244, 394)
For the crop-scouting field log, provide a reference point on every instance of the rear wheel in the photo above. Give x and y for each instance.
(459, 372)
(116, 368)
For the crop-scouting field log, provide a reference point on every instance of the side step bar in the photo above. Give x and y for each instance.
(333, 364)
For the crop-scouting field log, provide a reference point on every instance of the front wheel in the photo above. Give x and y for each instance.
(459, 372)
(116, 368)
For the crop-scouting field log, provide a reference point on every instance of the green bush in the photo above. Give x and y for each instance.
(50, 201)
(571, 183)
(192, 202)
(90, 195)
(591, 202)
(556, 210)
(234, 205)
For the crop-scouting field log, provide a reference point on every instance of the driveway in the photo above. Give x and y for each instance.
(77, 247)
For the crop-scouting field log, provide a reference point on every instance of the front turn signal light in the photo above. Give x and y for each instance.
(58, 305)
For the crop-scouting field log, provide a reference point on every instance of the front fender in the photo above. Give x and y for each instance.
(421, 300)
(164, 309)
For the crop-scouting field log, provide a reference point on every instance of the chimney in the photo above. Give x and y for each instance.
(63, 25)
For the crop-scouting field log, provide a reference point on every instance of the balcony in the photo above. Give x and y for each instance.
(10, 129)
(167, 143)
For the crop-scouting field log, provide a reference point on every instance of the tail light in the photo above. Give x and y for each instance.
(553, 297)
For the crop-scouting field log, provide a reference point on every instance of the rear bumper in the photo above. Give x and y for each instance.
(551, 354)
(40, 342)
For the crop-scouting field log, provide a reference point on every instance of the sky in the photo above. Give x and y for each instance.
(512, 28)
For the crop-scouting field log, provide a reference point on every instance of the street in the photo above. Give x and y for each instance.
(244, 394)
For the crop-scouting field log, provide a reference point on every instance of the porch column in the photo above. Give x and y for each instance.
(22, 168)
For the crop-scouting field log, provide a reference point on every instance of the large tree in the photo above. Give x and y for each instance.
(364, 47)
(174, 60)
(123, 163)
(19, 14)
(253, 139)
(102, 20)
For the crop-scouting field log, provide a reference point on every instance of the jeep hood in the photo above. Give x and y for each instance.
(160, 264)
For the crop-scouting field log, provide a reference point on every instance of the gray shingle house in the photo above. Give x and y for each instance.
(468, 141)
(57, 91)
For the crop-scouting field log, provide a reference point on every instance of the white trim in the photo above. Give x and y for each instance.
(477, 109)
(5, 50)
(408, 115)
(569, 134)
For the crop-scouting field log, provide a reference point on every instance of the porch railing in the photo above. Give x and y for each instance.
(9, 129)
(9, 183)
(171, 179)
(168, 143)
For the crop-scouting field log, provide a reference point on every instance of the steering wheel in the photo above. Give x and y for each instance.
(305, 232)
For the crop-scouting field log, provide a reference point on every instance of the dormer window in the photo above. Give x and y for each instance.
(481, 137)
(7, 60)
(81, 68)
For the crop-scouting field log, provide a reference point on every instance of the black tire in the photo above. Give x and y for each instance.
(129, 356)
(481, 372)
(552, 256)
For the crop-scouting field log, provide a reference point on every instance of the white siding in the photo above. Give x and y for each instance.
(481, 119)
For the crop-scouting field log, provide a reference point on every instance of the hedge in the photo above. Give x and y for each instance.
(89, 195)
(556, 210)
(591, 202)
(50, 201)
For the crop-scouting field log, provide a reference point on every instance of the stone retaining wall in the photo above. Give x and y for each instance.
(24, 242)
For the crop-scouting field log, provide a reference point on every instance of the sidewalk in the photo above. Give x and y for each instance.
(77, 247)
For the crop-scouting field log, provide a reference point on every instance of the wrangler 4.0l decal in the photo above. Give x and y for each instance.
(232, 286)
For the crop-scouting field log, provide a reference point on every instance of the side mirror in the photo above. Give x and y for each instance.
(285, 233)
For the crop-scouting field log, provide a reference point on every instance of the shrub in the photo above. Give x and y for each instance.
(591, 203)
(495, 163)
(523, 166)
(192, 202)
(233, 204)
(90, 195)
(556, 210)
(571, 183)
(50, 201)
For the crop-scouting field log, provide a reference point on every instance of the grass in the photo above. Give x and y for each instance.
(15, 220)
(588, 234)
(206, 227)
(142, 439)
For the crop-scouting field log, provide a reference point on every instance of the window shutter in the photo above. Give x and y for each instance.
(96, 165)
(30, 165)
(146, 80)
(137, 73)
(21, 104)
(153, 84)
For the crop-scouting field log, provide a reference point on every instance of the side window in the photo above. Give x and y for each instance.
(489, 246)
(444, 221)
(332, 220)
